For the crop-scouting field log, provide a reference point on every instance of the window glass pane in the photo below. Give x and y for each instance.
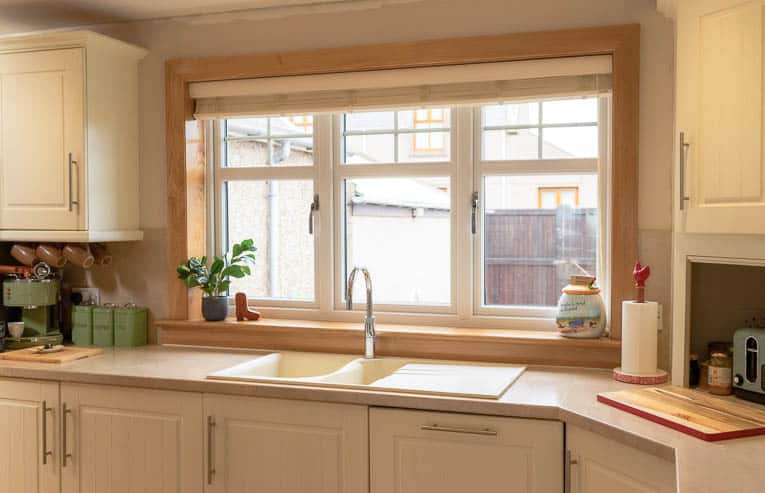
(520, 143)
(569, 129)
(521, 114)
(399, 228)
(401, 136)
(252, 142)
(424, 118)
(583, 110)
(370, 121)
(291, 152)
(533, 239)
(423, 147)
(274, 213)
(369, 149)
(570, 142)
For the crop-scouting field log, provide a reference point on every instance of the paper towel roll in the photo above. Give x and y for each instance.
(640, 324)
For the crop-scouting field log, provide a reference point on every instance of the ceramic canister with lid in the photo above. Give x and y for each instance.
(581, 311)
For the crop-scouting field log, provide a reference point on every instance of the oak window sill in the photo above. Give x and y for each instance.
(469, 344)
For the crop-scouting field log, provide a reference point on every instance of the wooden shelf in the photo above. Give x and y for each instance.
(469, 344)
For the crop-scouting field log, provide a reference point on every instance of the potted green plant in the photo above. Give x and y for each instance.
(215, 280)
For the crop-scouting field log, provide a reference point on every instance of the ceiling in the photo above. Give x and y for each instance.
(27, 15)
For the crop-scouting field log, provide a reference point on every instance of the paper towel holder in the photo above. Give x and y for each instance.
(655, 376)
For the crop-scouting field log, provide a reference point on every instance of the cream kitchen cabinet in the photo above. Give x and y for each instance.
(284, 446)
(434, 452)
(29, 412)
(121, 440)
(599, 465)
(68, 138)
(720, 166)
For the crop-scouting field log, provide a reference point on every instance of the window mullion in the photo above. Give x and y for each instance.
(324, 234)
(463, 187)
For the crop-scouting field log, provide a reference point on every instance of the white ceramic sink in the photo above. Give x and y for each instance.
(286, 366)
(456, 379)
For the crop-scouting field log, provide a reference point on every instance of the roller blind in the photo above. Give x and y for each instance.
(417, 87)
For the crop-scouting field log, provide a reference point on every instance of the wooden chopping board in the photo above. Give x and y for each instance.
(483, 382)
(691, 412)
(69, 353)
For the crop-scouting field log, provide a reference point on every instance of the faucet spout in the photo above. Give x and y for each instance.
(369, 319)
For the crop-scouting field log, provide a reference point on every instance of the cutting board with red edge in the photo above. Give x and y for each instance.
(691, 412)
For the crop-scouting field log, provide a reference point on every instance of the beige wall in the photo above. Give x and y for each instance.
(139, 273)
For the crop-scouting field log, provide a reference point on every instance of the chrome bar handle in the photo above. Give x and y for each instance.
(72, 202)
(64, 454)
(210, 445)
(455, 429)
(683, 154)
(45, 451)
(567, 472)
(473, 216)
(312, 213)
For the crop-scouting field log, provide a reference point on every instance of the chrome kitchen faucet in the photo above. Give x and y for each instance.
(369, 319)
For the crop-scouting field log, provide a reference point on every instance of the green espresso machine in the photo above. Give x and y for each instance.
(39, 303)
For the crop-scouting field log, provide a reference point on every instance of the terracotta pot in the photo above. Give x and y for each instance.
(51, 255)
(79, 256)
(101, 254)
(24, 254)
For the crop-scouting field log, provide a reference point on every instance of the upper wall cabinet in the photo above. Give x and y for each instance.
(720, 172)
(68, 138)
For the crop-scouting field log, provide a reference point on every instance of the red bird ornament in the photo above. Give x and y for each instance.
(641, 274)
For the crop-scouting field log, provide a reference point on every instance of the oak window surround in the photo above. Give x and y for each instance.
(185, 139)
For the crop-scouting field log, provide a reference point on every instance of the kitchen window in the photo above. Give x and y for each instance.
(264, 177)
(477, 212)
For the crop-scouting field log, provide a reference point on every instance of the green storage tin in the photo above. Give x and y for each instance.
(82, 325)
(130, 326)
(103, 326)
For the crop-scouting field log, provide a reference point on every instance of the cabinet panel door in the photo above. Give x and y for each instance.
(21, 435)
(281, 446)
(41, 123)
(429, 452)
(720, 110)
(600, 465)
(124, 440)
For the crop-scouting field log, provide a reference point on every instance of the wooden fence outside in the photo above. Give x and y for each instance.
(530, 253)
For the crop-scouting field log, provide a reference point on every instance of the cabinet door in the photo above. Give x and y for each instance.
(430, 452)
(41, 124)
(28, 432)
(721, 170)
(124, 440)
(281, 446)
(600, 465)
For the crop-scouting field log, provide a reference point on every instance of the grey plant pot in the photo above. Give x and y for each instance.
(214, 308)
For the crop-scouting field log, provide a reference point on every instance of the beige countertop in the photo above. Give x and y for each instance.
(566, 394)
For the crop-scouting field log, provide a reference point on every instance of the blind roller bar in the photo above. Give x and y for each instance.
(314, 102)
(425, 76)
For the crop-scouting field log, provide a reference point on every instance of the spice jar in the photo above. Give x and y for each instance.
(720, 374)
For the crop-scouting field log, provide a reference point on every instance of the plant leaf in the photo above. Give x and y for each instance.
(217, 266)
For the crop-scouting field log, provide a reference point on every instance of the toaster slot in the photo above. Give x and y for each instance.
(751, 359)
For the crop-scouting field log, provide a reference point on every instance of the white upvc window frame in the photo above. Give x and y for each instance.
(581, 166)
(465, 169)
(342, 171)
(221, 174)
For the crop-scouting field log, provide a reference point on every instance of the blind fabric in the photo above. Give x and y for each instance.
(431, 86)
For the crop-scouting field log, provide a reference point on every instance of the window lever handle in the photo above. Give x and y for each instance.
(311, 214)
(474, 214)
